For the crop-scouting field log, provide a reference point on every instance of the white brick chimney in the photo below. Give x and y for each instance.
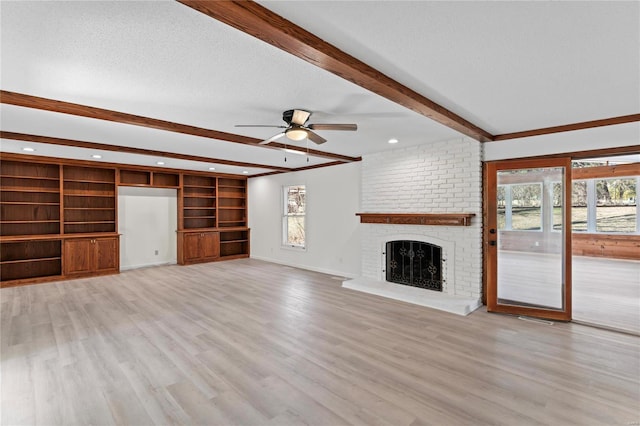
(444, 177)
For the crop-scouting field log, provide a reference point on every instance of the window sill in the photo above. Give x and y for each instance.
(293, 248)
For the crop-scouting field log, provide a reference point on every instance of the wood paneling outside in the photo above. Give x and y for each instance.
(607, 245)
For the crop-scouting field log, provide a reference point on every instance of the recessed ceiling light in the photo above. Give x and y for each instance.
(160, 163)
(394, 140)
(212, 168)
(96, 156)
(28, 149)
(245, 172)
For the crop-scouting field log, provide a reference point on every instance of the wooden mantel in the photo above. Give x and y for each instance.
(438, 219)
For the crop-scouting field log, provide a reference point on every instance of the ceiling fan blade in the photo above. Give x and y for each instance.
(260, 125)
(349, 127)
(300, 116)
(316, 138)
(272, 138)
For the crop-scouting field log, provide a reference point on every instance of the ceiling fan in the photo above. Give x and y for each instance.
(297, 130)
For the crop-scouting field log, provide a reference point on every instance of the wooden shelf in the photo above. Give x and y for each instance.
(90, 181)
(234, 195)
(211, 197)
(135, 177)
(30, 199)
(28, 203)
(29, 177)
(433, 219)
(199, 186)
(30, 221)
(88, 208)
(89, 199)
(73, 194)
(39, 259)
(29, 189)
(89, 222)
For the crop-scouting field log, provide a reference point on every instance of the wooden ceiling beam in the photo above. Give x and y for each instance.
(298, 169)
(130, 150)
(35, 102)
(258, 21)
(569, 127)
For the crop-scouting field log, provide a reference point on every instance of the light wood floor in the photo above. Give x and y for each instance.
(252, 343)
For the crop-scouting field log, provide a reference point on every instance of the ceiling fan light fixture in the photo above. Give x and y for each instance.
(294, 151)
(296, 134)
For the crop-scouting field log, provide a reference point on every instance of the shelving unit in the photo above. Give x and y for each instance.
(89, 200)
(234, 243)
(148, 178)
(135, 178)
(165, 180)
(232, 203)
(30, 259)
(199, 202)
(30, 198)
(59, 218)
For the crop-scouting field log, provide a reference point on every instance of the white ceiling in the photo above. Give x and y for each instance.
(504, 66)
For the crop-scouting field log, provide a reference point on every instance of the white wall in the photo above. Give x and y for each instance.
(332, 229)
(147, 220)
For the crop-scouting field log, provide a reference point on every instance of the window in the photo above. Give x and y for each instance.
(520, 207)
(293, 224)
(605, 204)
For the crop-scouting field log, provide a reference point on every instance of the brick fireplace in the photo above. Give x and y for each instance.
(441, 179)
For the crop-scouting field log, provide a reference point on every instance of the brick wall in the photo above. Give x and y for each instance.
(444, 177)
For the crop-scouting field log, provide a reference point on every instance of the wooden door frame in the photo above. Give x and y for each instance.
(490, 262)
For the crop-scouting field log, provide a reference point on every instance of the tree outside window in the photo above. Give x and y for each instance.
(293, 221)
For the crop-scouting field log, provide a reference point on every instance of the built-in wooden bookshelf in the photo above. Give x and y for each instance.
(232, 203)
(148, 178)
(199, 202)
(58, 218)
(89, 200)
(213, 208)
(30, 198)
(30, 259)
(135, 177)
(234, 242)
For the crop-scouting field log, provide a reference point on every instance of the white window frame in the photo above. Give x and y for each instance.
(285, 219)
(592, 205)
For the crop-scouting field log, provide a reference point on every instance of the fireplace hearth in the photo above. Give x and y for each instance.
(414, 263)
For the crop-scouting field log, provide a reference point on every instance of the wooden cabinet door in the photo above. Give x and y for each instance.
(106, 254)
(210, 245)
(78, 256)
(191, 247)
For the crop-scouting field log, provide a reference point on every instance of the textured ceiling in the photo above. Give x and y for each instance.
(504, 66)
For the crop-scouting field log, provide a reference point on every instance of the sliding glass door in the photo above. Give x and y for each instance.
(528, 238)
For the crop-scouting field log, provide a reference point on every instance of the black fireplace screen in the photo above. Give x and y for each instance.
(414, 263)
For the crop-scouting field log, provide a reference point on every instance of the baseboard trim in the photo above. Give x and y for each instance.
(147, 265)
(306, 267)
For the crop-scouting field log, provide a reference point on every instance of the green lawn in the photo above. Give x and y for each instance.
(608, 219)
